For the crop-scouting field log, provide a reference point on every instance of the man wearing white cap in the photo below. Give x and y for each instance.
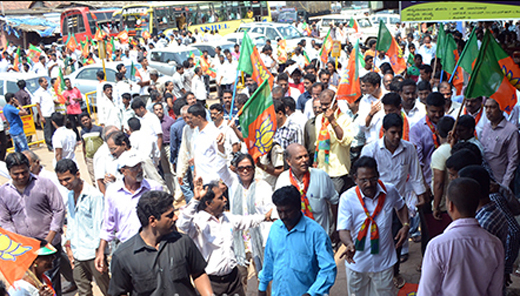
(121, 199)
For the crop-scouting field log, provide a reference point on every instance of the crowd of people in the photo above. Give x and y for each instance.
(406, 161)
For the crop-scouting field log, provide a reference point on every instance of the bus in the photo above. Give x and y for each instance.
(224, 16)
(82, 22)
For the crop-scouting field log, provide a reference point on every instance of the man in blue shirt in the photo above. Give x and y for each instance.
(298, 254)
(12, 114)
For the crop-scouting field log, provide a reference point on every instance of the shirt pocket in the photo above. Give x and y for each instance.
(179, 271)
(301, 265)
(144, 282)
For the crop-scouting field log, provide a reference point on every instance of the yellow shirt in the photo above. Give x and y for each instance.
(339, 157)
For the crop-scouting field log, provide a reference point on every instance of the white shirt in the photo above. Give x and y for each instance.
(399, 168)
(120, 88)
(300, 60)
(214, 236)
(320, 194)
(230, 139)
(298, 118)
(40, 69)
(416, 113)
(205, 152)
(145, 145)
(178, 85)
(55, 72)
(145, 76)
(109, 113)
(151, 125)
(65, 139)
(268, 61)
(230, 72)
(378, 61)
(185, 150)
(351, 216)
(374, 128)
(45, 99)
(199, 88)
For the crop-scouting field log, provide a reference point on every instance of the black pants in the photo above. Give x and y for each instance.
(425, 235)
(3, 145)
(206, 82)
(54, 273)
(396, 226)
(74, 123)
(48, 131)
(230, 284)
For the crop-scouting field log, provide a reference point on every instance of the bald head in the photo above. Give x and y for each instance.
(31, 155)
(462, 192)
(445, 85)
(108, 130)
(293, 149)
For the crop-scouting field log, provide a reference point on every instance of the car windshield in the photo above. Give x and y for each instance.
(182, 56)
(230, 47)
(244, 29)
(364, 22)
(289, 32)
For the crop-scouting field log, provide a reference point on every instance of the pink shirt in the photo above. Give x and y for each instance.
(70, 95)
(464, 260)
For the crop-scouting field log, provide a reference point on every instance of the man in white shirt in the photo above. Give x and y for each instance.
(142, 142)
(232, 143)
(45, 105)
(109, 113)
(427, 50)
(205, 146)
(150, 123)
(205, 221)
(370, 256)
(412, 107)
(370, 107)
(283, 81)
(144, 80)
(55, 65)
(41, 68)
(197, 85)
(230, 72)
(178, 85)
(64, 140)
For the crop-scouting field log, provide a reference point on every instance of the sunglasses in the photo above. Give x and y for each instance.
(245, 168)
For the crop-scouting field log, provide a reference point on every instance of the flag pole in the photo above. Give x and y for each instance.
(458, 115)
(462, 54)
(234, 94)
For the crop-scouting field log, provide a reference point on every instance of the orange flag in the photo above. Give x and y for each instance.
(123, 37)
(17, 253)
(349, 87)
(146, 35)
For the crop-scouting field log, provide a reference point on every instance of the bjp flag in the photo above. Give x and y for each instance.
(17, 253)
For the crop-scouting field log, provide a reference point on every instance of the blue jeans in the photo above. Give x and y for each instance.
(20, 142)
(186, 187)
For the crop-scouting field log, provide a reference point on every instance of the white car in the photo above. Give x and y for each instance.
(390, 20)
(258, 39)
(367, 30)
(85, 78)
(210, 46)
(275, 32)
(8, 82)
(166, 59)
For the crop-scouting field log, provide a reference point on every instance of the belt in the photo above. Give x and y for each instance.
(224, 278)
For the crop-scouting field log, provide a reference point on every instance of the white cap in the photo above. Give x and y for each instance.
(129, 158)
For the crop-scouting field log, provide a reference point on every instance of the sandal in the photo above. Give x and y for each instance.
(399, 281)
(403, 258)
(517, 272)
(416, 239)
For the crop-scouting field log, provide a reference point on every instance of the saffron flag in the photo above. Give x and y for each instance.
(72, 44)
(123, 36)
(134, 72)
(100, 34)
(206, 69)
(33, 53)
(146, 35)
(354, 24)
(59, 87)
(16, 61)
(349, 87)
(306, 28)
(17, 253)
(282, 51)
(258, 121)
(469, 53)
(110, 48)
(387, 43)
(85, 48)
(326, 48)
(491, 75)
(251, 63)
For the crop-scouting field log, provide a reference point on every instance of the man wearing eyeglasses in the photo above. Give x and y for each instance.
(232, 143)
(451, 107)
(365, 227)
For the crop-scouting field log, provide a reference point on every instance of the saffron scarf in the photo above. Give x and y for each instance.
(436, 141)
(306, 207)
(406, 129)
(324, 139)
(374, 231)
(477, 118)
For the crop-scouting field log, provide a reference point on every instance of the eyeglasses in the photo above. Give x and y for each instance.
(371, 180)
(244, 169)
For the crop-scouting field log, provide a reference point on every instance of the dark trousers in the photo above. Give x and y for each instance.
(84, 272)
(3, 145)
(48, 131)
(425, 235)
(54, 273)
(66, 268)
(229, 285)
(396, 226)
(74, 123)
(206, 82)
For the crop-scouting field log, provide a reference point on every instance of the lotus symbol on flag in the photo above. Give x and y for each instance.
(264, 136)
(515, 81)
(9, 249)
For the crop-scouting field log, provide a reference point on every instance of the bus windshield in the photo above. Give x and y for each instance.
(136, 22)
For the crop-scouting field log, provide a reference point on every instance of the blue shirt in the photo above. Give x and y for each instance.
(84, 222)
(302, 99)
(176, 138)
(300, 261)
(15, 122)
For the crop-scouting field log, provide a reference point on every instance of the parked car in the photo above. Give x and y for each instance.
(166, 59)
(276, 31)
(367, 30)
(390, 20)
(8, 83)
(85, 78)
(258, 39)
(210, 46)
